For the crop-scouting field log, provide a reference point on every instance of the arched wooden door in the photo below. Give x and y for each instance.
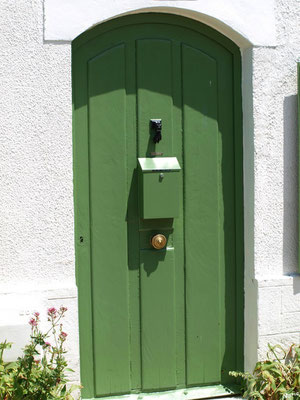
(156, 320)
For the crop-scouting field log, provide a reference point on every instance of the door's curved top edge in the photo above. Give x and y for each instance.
(154, 18)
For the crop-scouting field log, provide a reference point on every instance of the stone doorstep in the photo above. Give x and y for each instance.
(219, 398)
(226, 398)
(170, 396)
(215, 392)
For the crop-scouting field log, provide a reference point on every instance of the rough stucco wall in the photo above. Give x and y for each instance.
(37, 253)
(276, 181)
(36, 151)
(36, 208)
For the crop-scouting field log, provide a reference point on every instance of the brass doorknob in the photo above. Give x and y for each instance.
(159, 241)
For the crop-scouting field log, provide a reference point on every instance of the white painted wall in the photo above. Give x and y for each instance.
(276, 181)
(36, 208)
(64, 20)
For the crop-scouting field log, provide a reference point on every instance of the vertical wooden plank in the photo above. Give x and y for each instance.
(154, 94)
(133, 219)
(203, 220)
(158, 329)
(178, 236)
(108, 203)
(232, 209)
(158, 319)
(82, 218)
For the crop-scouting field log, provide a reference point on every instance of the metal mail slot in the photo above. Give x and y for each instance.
(159, 187)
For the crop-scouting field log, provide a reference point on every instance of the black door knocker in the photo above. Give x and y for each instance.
(156, 125)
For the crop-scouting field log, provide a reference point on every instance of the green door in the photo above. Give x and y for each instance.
(154, 320)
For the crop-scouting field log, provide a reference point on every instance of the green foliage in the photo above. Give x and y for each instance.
(277, 378)
(40, 373)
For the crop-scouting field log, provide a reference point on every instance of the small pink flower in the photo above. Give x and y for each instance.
(63, 309)
(32, 322)
(36, 314)
(47, 344)
(63, 335)
(52, 311)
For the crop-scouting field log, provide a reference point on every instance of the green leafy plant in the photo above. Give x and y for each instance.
(40, 374)
(277, 378)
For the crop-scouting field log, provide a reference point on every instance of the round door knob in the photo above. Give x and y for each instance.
(159, 241)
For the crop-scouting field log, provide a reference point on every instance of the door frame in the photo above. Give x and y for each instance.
(81, 188)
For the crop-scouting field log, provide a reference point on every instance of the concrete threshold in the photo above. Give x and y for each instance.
(204, 393)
